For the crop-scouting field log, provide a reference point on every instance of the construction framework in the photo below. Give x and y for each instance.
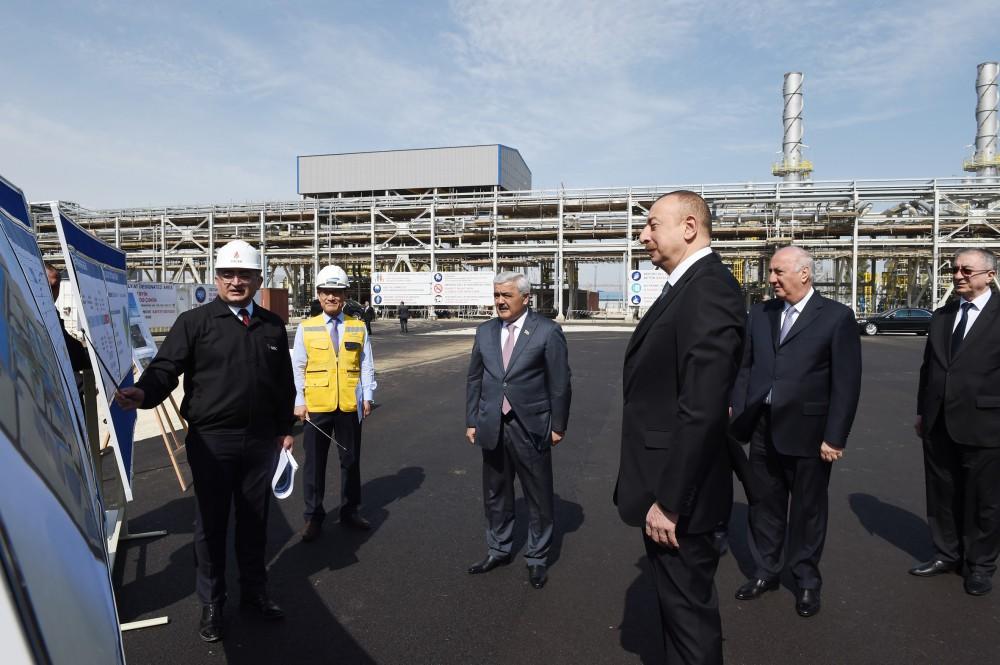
(880, 243)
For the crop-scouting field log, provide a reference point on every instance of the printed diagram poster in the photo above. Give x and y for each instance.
(143, 344)
(97, 276)
(25, 248)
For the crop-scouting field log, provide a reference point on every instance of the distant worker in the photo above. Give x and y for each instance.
(958, 418)
(78, 358)
(517, 402)
(368, 315)
(334, 387)
(794, 400)
(404, 315)
(238, 401)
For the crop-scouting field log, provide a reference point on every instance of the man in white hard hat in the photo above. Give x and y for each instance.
(334, 387)
(238, 401)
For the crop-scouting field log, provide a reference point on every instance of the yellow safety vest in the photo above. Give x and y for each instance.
(331, 378)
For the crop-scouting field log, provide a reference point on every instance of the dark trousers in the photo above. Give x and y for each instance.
(963, 500)
(516, 455)
(793, 499)
(346, 429)
(402, 325)
(689, 604)
(230, 469)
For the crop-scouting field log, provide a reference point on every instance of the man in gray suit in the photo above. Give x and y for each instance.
(517, 404)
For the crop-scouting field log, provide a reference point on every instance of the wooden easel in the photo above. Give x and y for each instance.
(165, 421)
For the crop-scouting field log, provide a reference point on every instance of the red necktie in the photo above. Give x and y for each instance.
(244, 317)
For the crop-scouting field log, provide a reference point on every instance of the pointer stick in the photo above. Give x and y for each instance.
(99, 360)
(319, 429)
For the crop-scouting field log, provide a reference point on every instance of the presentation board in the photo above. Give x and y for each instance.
(97, 274)
(444, 289)
(645, 286)
(29, 259)
(12, 200)
(53, 538)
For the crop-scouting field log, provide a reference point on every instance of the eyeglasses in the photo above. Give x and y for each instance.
(969, 272)
(236, 275)
(330, 293)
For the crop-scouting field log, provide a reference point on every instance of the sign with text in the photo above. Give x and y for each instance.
(444, 289)
(644, 287)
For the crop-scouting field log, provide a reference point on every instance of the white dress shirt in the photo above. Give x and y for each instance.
(799, 306)
(683, 266)
(978, 304)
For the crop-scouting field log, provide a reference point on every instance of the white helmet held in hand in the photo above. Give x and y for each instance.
(237, 254)
(332, 277)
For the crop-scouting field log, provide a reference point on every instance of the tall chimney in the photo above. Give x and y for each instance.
(985, 162)
(792, 167)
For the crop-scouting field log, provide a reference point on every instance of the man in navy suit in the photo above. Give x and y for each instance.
(517, 406)
(675, 477)
(795, 398)
(958, 407)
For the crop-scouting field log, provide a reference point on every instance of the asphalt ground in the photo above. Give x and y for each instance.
(399, 594)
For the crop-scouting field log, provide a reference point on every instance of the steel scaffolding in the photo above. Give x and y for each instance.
(879, 242)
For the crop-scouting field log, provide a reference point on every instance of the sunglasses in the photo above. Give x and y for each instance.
(968, 272)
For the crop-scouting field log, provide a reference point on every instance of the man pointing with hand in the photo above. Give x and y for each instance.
(238, 400)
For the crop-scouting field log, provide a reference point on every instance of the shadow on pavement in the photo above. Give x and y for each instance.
(311, 633)
(640, 628)
(897, 526)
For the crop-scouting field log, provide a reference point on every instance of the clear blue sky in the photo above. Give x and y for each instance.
(113, 104)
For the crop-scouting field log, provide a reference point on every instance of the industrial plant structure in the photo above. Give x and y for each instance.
(880, 243)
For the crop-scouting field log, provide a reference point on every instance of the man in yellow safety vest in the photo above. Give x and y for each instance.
(335, 383)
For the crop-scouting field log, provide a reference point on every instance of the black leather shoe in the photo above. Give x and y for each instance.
(934, 567)
(978, 585)
(210, 626)
(755, 589)
(488, 564)
(537, 576)
(355, 521)
(263, 605)
(807, 602)
(311, 530)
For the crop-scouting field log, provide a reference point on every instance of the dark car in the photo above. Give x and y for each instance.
(904, 319)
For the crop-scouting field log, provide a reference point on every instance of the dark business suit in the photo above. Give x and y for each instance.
(814, 379)
(536, 383)
(679, 367)
(959, 401)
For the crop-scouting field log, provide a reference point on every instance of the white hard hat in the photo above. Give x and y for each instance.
(238, 254)
(332, 277)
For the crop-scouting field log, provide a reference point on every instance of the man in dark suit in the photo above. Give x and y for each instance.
(403, 312)
(795, 398)
(958, 407)
(517, 406)
(368, 315)
(675, 479)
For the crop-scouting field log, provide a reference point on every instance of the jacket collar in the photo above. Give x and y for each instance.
(983, 322)
(527, 327)
(809, 314)
(663, 303)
